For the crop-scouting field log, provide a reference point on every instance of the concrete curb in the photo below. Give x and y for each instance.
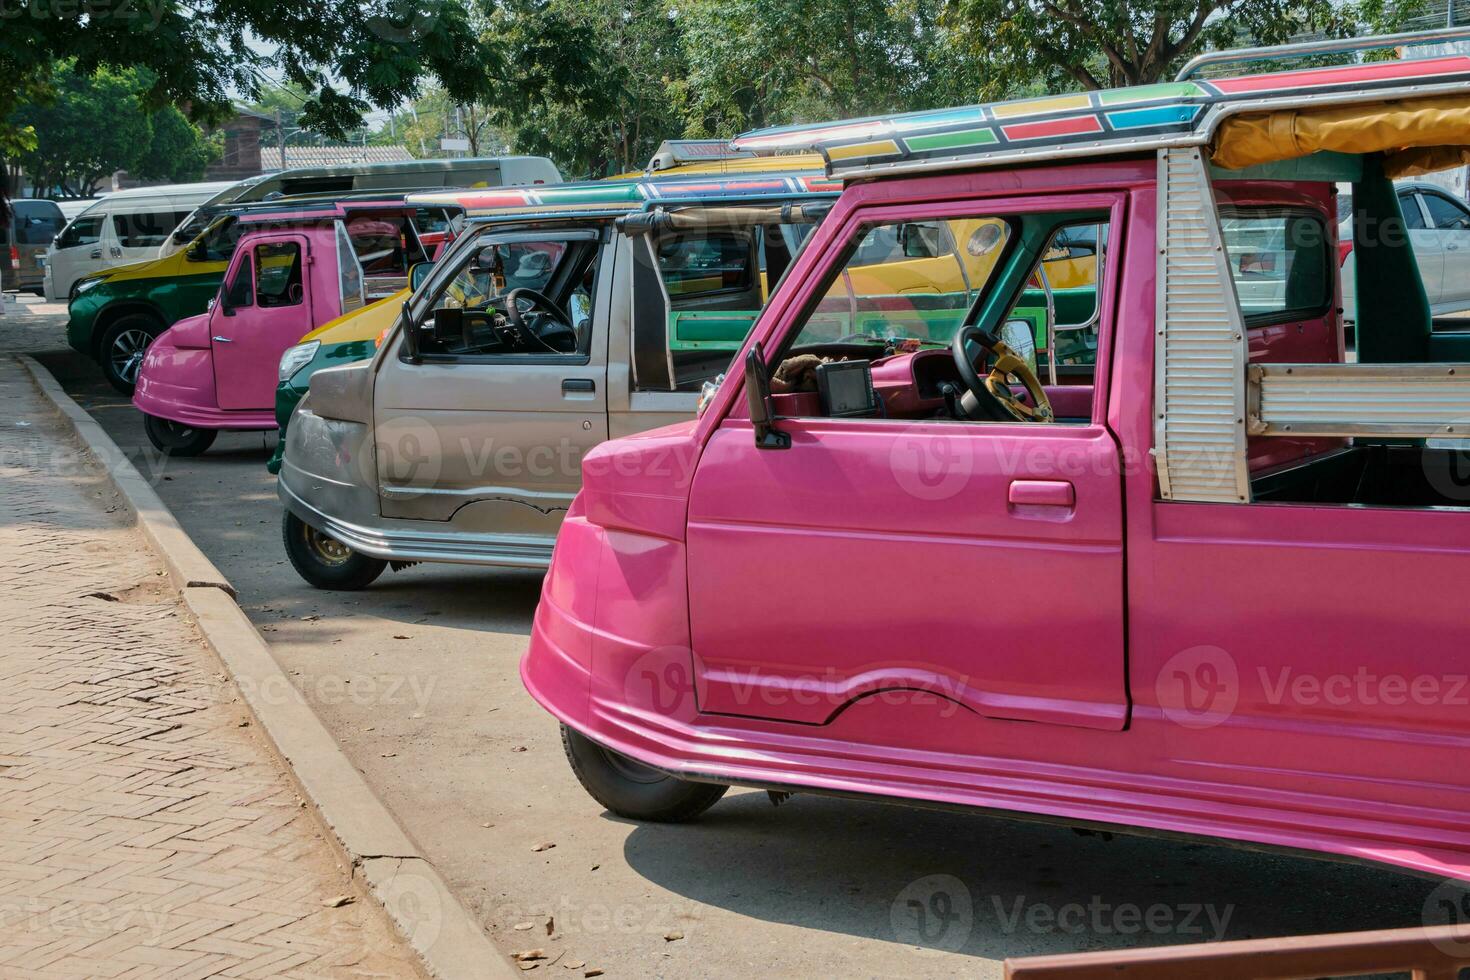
(416, 898)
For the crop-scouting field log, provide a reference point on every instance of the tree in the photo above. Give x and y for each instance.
(433, 116)
(348, 55)
(94, 124)
(767, 62)
(1110, 43)
(592, 82)
(178, 151)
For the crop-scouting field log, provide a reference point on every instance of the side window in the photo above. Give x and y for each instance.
(470, 316)
(701, 264)
(85, 230)
(381, 244)
(146, 229)
(36, 223)
(1280, 261)
(221, 239)
(1446, 214)
(278, 274)
(349, 272)
(1413, 217)
(240, 292)
(897, 243)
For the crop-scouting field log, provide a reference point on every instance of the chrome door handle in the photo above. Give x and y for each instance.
(222, 340)
(96, 253)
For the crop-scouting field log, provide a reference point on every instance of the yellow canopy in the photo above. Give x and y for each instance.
(1416, 136)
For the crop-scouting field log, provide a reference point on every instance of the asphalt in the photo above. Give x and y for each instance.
(417, 679)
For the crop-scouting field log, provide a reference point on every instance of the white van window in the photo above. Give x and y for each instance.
(146, 229)
(85, 230)
(349, 272)
(36, 222)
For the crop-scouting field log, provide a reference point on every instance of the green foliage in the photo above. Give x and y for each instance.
(1109, 43)
(94, 124)
(592, 78)
(201, 55)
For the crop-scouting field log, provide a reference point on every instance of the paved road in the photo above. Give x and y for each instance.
(144, 828)
(417, 679)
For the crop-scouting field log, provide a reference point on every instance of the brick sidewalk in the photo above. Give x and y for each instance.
(144, 829)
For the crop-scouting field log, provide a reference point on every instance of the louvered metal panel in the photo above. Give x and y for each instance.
(1389, 400)
(1200, 353)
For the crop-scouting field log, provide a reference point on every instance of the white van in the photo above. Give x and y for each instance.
(127, 226)
(347, 178)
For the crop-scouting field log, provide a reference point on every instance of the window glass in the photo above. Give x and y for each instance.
(883, 295)
(700, 264)
(193, 226)
(146, 229)
(1446, 214)
(381, 243)
(278, 274)
(221, 239)
(470, 316)
(36, 222)
(85, 230)
(1059, 306)
(1413, 217)
(241, 289)
(1280, 262)
(349, 272)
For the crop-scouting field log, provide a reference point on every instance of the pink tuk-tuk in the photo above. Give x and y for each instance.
(295, 267)
(1140, 548)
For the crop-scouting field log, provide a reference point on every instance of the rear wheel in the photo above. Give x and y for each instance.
(631, 789)
(176, 439)
(122, 349)
(324, 561)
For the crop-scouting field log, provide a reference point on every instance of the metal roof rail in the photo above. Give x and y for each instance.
(1330, 46)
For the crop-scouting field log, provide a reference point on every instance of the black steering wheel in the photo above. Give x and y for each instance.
(535, 330)
(991, 398)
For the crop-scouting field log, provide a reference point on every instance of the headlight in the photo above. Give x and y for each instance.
(297, 358)
(86, 284)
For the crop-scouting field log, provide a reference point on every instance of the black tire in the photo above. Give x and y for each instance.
(176, 439)
(120, 352)
(325, 562)
(633, 790)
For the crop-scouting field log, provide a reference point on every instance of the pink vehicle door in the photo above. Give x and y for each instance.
(264, 308)
(907, 556)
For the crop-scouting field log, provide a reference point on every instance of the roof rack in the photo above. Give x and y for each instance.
(1235, 56)
(672, 153)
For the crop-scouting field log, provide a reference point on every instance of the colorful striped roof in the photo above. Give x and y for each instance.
(1108, 122)
(620, 195)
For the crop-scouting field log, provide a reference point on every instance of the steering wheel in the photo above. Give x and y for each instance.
(990, 398)
(517, 318)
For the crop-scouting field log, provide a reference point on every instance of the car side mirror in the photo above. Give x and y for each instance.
(410, 337)
(758, 397)
(196, 252)
(419, 274)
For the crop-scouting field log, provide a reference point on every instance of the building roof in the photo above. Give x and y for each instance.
(779, 177)
(1092, 124)
(326, 156)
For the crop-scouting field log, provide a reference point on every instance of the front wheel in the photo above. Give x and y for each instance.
(325, 562)
(631, 789)
(175, 439)
(123, 347)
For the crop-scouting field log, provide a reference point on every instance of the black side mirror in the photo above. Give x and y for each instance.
(410, 336)
(196, 252)
(758, 397)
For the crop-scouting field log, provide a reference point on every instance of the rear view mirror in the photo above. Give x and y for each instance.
(758, 397)
(419, 274)
(410, 336)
